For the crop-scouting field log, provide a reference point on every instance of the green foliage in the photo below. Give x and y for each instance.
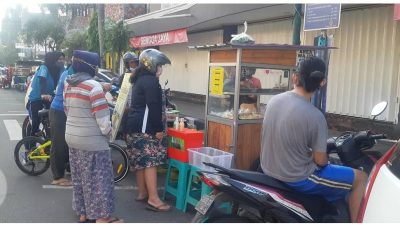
(74, 40)
(44, 29)
(93, 35)
(8, 55)
(11, 25)
(116, 37)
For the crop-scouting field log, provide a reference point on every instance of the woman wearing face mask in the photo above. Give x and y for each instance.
(146, 126)
(42, 88)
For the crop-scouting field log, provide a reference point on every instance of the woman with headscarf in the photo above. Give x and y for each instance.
(146, 126)
(42, 87)
(87, 132)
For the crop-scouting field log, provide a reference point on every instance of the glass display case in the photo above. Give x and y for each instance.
(242, 79)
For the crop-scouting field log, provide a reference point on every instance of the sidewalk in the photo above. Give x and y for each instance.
(198, 111)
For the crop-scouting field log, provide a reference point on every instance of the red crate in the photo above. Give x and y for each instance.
(180, 141)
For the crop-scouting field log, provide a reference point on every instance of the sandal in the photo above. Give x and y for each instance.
(158, 208)
(62, 182)
(87, 221)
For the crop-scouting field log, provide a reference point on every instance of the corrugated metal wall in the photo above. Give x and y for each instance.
(188, 72)
(365, 68)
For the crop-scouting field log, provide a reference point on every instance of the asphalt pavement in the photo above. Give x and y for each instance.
(25, 199)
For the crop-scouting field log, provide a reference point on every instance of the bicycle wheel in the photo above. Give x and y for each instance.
(33, 167)
(26, 127)
(120, 162)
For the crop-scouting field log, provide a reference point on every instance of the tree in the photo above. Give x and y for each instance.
(11, 25)
(101, 16)
(93, 35)
(8, 55)
(74, 40)
(116, 40)
(45, 30)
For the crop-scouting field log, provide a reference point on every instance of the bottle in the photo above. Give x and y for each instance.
(182, 124)
(176, 123)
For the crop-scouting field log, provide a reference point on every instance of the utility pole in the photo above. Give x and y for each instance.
(297, 24)
(100, 13)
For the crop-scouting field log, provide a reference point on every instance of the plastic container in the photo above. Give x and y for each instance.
(207, 154)
(171, 115)
(180, 141)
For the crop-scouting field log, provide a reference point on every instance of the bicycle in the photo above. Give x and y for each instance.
(33, 152)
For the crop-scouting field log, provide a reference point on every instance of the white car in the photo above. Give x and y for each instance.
(381, 203)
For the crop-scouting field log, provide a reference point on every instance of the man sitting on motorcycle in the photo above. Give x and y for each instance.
(294, 138)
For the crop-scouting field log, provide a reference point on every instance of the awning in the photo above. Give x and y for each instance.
(164, 38)
(198, 17)
(203, 17)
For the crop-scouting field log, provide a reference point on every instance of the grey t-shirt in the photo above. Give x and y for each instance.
(292, 129)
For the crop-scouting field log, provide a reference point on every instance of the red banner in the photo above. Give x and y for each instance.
(165, 38)
(396, 15)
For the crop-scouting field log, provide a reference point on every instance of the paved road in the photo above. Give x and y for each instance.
(33, 199)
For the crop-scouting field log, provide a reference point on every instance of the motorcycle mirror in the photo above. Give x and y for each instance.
(166, 82)
(379, 109)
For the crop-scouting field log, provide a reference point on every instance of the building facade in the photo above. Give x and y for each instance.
(363, 71)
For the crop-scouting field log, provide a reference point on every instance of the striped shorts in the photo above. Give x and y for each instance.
(333, 182)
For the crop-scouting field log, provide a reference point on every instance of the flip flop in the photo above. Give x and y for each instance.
(87, 221)
(62, 182)
(158, 208)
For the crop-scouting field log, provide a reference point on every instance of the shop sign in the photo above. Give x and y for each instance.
(396, 15)
(165, 38)
(321, 16)
(217, 81)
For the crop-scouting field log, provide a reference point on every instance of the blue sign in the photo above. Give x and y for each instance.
(321, 16)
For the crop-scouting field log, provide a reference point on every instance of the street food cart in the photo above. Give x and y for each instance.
(242, 79)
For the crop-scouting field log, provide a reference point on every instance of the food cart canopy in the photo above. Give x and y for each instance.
(259, 46)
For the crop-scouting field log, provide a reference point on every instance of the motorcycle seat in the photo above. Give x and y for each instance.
(261, 178)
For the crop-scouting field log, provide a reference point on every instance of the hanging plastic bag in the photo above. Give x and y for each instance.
(242, 38)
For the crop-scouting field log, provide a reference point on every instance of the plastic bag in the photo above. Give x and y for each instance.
(242, 38)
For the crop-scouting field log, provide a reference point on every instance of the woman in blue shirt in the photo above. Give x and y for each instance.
(42, 87)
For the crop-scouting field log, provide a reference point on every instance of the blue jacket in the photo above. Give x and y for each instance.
(58, 101)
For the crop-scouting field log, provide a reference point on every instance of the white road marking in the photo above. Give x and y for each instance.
(17, 111)
(14, 129)
(115, 187)
(14, 114)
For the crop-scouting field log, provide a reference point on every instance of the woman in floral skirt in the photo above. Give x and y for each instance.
(146, 126)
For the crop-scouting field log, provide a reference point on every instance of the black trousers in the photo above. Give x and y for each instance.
(59, 156)
(34, 108)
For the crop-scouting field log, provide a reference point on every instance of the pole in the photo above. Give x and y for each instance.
(100, 14)
(297, 24)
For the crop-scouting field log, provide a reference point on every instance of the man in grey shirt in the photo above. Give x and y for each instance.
(293, 146)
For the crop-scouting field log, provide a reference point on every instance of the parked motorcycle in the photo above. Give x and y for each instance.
(245, 196)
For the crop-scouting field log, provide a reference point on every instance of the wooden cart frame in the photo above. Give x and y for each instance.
(243, 137)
